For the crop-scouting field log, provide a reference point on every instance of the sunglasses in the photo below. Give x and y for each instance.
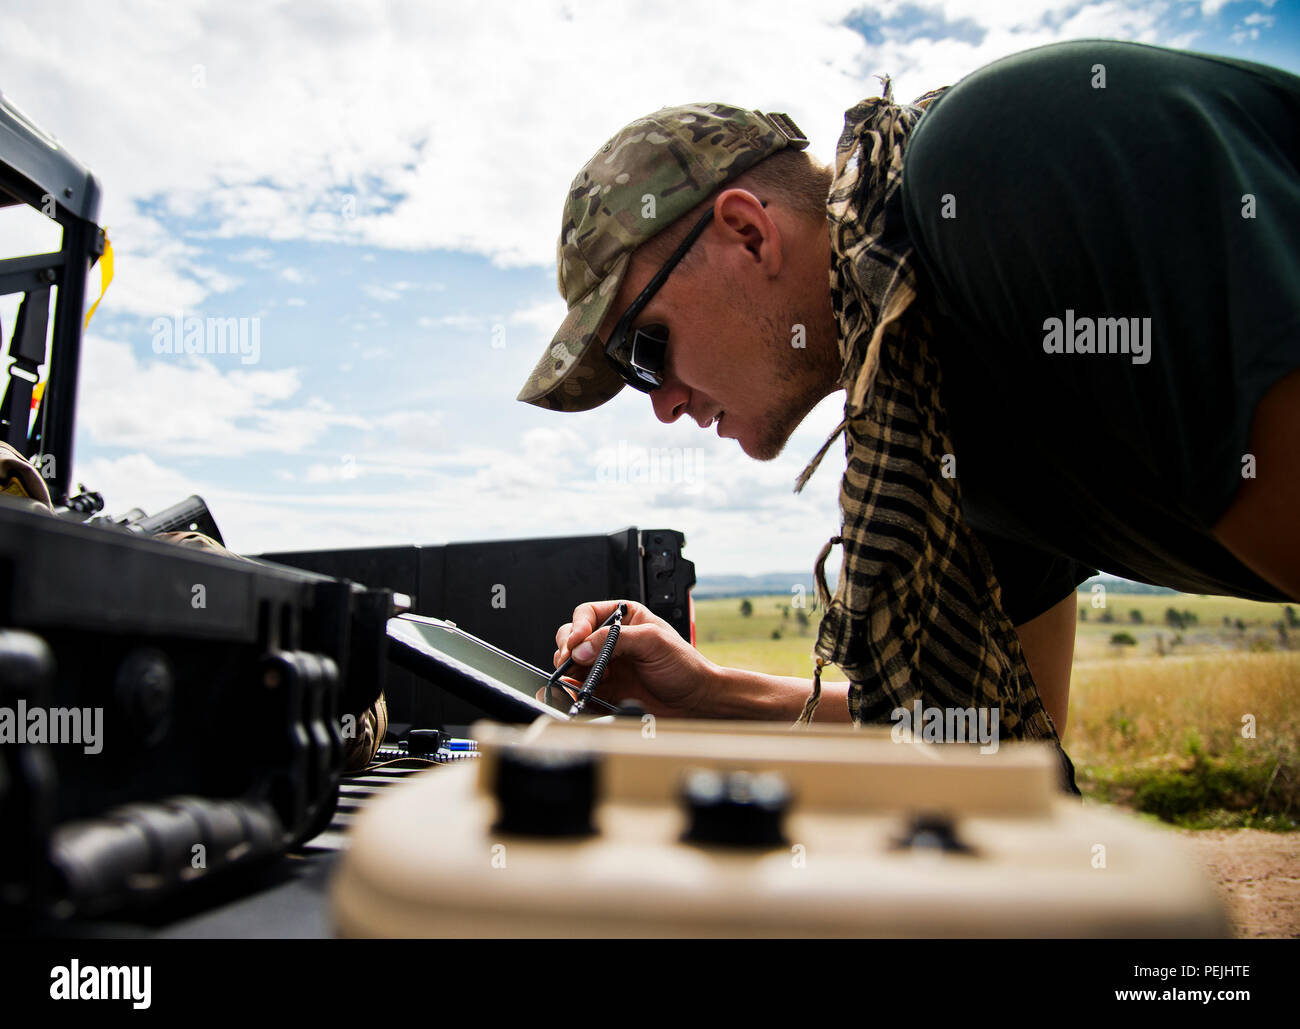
(639, 356)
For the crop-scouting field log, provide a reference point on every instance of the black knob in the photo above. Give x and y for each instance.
(145, 688)
(932, 831)
(736, 809)
(545, 792)
(424, 742)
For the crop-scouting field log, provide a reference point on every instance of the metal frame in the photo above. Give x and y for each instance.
(36, 171)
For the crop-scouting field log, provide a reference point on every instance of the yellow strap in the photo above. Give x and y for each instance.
(105, 276)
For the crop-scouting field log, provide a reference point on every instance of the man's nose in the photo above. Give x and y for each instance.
(669, 402)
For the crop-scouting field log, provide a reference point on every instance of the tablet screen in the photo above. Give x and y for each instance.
(472, 669)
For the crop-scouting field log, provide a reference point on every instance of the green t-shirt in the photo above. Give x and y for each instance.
(1115, 271)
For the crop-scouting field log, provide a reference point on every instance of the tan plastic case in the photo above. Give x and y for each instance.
(423, 859)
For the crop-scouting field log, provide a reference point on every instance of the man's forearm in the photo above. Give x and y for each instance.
(739, 693)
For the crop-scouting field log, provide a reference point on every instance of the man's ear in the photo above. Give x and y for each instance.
(744, 221)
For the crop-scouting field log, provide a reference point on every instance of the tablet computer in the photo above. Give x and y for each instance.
(492, 679)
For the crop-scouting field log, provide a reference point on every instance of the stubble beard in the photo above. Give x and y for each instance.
(803, 377)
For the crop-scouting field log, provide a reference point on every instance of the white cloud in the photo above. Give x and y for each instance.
(189, 405)
(444, 129)
(411, 476)
(540, 319)
(1251, 26)
(387, 292)
(136, 480)
(24, 230)
(544, 317)
(468, 322)
(384, 294)
(155, 270)
(253, 255)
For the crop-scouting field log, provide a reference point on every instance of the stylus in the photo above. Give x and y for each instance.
(619, 614)
(615, 623)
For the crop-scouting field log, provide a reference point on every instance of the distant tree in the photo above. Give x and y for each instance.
(1241, 626)
(1291, 618)
(746, 608)
(1227, 622)
(802, 619)
(776, 634)
(1135, 616)
(1123, 639)
(1106, 617)
(1083, 614)
(1190, 618)
(1174, 618)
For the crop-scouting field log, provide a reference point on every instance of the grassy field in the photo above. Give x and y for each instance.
(726, 636)
(1220, 624)
(1169, 735)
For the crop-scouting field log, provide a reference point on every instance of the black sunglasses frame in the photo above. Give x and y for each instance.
(640, 360)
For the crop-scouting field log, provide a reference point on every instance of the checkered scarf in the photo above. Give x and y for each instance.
(917, 612)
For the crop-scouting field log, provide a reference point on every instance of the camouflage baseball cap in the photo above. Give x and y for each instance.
(649, 174)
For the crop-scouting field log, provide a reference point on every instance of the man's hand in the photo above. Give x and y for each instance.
(651, 663)
(654, 666)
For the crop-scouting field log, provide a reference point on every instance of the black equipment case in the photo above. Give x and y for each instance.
(512, 593)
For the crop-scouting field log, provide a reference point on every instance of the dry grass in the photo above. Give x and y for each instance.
(1128, 708)
(1162, 735)
(1172, 736)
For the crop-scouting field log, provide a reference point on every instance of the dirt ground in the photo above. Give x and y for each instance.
(1258, 875)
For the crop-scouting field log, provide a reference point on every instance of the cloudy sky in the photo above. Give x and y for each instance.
(379, 185)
